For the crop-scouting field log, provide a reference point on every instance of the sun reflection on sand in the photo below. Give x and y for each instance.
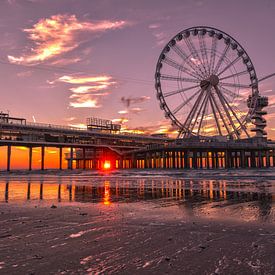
(106, 198)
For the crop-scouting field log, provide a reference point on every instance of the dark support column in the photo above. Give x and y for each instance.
(181, 160)
(42, 157)
(94, 160)
(260, 159)
(60, 158)
(267, 159)
(186, 160)
(226, 159)
(213, 162)
(195, 160)
(155, 160)
(173, 159)
(30, 158)
(134, 161)
(9, 158)
(164, 159)
(159, 159)
(201, 166)
(71, 159)
(216, 159)
(253, 159)
(84, 158)
(242, 158)
(120, 162)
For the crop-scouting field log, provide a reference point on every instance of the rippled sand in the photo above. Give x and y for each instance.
(138, 222)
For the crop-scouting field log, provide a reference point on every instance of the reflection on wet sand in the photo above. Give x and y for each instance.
(193, 195)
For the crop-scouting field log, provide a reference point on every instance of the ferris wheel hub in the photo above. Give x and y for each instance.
(211, 81)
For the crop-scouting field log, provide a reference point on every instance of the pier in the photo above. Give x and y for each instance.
(90, 148)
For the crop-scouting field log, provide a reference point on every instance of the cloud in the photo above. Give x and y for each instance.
(271, 101)
(123, 112)
(79, 125)
(59, 34)
(86, 89)
(120, 120)
(270, 91)
(136, 110)
(160, 127)
(85, 101)
(84, 79)
(269, 116)
(66, 61)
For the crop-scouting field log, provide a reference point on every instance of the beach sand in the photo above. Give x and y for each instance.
(129, 238)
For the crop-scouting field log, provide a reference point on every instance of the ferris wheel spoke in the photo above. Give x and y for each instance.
(229, 65)
(215, 115)
(195, 55)
(221, 58)
(175, 78)
(191, 114)
(220, 114)
(203, 112)
(176, 65)
(186, 59)
(221, 98)
(234, 75)
(234, 107)
(234, 114)
(213, 53)
(230, 93)
(204, 52)
(197, 113)
(179, 91)
(177, 109)
(235, 85)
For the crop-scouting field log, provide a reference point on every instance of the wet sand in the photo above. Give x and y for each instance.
(164, 235)
(124, 239)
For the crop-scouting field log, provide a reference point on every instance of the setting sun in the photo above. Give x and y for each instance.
(106, 165)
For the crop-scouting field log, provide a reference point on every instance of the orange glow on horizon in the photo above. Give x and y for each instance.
(20, 158)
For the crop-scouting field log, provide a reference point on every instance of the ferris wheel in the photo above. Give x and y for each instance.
(206, 84)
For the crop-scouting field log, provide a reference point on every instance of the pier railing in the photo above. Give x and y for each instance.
(77, 129)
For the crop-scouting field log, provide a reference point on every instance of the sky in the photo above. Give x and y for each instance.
(64, 61)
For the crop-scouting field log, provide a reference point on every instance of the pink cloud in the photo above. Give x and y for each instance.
(58, 35)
